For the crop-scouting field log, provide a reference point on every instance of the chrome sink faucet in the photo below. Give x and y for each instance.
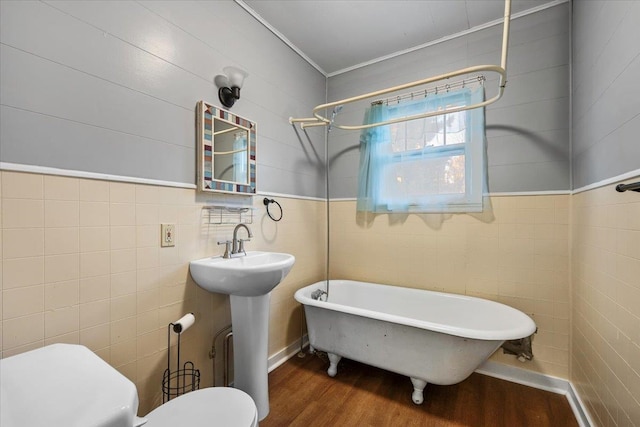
(238, 244)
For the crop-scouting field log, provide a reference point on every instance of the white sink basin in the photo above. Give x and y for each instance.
(248, 279)
(253, 274)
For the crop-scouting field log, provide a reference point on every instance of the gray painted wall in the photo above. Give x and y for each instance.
(606, 105)
(111, 87)
(527, 130)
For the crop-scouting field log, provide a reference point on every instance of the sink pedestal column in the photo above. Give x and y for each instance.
(250, 318)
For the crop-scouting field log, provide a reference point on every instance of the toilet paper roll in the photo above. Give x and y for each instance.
(183, 323)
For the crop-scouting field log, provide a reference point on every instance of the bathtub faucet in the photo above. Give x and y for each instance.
(318, 294)
(238, 244)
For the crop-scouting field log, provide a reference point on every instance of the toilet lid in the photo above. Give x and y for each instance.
(223, 406)
(64, 385)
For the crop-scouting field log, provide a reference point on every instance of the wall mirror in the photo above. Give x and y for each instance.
(226, 151)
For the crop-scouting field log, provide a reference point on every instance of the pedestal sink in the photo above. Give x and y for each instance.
(248, 279)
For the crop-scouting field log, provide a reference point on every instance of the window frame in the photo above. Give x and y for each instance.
(472, 149)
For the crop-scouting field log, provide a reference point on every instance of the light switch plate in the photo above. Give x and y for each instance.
(167, 235)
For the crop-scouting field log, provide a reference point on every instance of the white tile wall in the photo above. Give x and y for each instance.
(606, 304)
(516, 252)
(89, 270)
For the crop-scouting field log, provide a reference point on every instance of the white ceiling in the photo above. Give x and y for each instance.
(335, 35)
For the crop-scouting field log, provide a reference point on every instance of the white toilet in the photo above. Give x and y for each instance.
(68, 385)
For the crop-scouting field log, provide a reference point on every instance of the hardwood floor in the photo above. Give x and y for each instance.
(302, 394)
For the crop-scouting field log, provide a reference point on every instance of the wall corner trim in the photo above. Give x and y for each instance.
(459, 34)
(622, 177)
(279, 35)
(290, 196)
(542, 382)
(578, 407)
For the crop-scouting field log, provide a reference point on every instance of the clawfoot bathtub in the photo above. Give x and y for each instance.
(431, 337)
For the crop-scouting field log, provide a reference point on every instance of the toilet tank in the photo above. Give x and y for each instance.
(64, 385)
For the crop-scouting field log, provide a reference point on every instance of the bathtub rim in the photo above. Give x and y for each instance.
(523, 325)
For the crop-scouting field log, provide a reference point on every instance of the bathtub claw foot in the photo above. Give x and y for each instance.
(334, 359)
(418, 390)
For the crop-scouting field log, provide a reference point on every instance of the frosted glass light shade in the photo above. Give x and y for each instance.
(236, 76)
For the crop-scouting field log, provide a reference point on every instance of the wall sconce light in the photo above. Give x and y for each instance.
(230, 85)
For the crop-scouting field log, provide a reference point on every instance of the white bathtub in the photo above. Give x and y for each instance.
(431, 337)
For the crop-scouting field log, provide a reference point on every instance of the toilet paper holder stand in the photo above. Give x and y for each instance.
(184, 378)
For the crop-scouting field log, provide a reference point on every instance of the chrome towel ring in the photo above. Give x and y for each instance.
(267, 202)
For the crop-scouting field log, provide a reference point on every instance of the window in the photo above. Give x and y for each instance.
(433, 164)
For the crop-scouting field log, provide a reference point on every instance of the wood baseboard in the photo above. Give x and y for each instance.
(524, 377)
(540, 381)
(578, 407)
(286, 353)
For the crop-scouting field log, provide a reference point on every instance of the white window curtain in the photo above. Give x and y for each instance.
(436, 164)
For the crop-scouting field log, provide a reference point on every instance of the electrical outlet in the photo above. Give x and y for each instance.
(167, 235)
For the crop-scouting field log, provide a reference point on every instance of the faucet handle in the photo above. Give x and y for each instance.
(227, 247)
(241, 245)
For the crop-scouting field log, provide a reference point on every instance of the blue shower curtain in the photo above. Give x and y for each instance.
(372, 143)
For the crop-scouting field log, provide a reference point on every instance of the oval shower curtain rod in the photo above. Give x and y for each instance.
(320, 120)
(480, 79)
